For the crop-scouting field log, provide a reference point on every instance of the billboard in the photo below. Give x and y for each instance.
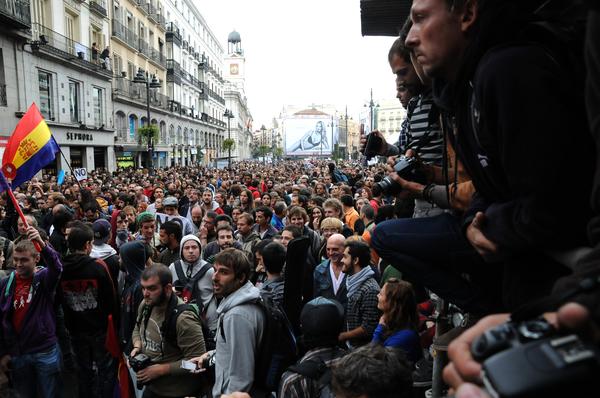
(309, 136)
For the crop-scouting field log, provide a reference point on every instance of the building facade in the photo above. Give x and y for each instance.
(389, 116)
(48, 58)
(167, 42)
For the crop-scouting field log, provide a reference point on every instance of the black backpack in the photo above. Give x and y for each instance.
(278, 349)
(318, 371)
(190, 293)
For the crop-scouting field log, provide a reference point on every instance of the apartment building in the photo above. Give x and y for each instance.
(169, 45)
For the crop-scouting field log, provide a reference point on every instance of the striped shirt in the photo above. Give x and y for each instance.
(422, 121)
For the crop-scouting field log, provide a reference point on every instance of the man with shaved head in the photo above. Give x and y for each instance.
(328, 278)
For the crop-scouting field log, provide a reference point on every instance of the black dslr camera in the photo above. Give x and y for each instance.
(405, 167)
(529, 359)
(139, 362)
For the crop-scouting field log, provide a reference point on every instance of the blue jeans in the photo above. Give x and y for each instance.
(433, 252)
(38, 373)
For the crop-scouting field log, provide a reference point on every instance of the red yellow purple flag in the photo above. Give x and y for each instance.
(30, 148)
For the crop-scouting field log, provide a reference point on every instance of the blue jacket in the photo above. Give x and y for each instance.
(323, 285)
(38, 331)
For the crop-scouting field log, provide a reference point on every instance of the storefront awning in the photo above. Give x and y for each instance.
(383, 17)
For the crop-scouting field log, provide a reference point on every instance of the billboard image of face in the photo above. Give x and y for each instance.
(307, 137)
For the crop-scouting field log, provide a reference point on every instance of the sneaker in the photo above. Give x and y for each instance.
(423, 373)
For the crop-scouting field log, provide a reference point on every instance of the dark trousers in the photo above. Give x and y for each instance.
(97, 369)
(37, 375)
(433, 252)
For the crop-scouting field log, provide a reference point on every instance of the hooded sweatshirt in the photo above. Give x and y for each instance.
(106, 253)
(87, 293)
(133, 257)
(238, 340)
(204, 285)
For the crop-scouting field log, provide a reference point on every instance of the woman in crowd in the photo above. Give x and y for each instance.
(398, 324)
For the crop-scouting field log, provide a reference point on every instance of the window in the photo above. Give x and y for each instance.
(98, 98)
(74, 101)
(46, 100)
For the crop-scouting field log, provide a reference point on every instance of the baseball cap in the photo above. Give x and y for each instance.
(170, 201)
(101, 229)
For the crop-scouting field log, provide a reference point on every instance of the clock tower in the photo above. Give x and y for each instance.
(235, 63)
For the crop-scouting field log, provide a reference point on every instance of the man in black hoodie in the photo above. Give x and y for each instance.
(88, 298)
(512, 102)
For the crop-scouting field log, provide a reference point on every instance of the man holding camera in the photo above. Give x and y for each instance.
(166, 333)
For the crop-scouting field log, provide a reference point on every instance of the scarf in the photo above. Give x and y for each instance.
(353, 282)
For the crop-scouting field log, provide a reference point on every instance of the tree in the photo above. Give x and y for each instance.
(228, 143)
(145, 132)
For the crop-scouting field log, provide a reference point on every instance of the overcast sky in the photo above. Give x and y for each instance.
(302, 52)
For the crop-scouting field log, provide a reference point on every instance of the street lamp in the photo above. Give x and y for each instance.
(262, 149)
(371, 114)
(151, 82)
(228, 114)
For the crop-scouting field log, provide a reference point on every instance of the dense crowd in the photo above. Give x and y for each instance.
(314, 278)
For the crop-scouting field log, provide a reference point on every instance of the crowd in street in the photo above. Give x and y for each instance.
(320, 278)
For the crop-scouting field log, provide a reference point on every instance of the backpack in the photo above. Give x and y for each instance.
(316, 370)
(190, 293)
(278, 349)
(338, 176)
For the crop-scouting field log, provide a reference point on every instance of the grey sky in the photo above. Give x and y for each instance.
(303, 52)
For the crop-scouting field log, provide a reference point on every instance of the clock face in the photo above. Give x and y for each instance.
(234, 69)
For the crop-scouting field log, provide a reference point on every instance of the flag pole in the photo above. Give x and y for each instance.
(67, 162)
(19, 211)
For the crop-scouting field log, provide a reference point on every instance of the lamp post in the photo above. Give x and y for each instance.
(151, 82)
(372, 115)
(262, 147)
(228, 114)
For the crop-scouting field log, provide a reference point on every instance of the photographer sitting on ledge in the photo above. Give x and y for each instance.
(167, 331)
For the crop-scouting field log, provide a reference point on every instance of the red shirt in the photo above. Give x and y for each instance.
(21, 301)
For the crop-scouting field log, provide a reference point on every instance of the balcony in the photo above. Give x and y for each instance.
(50, 44)
(173, 71)
(158, 58)
(160, 21)
(125, 35)
(143, 48)
(3, 99)
(173, 34)
(98, 7)
(126, 90)
(150, 10)
(141, 4)
(15, 13)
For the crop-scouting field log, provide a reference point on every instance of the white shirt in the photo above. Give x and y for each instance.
(337, 282)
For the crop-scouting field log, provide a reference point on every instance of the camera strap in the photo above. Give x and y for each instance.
(551, 303)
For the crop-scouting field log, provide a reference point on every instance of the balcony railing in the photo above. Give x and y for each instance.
(16, 13)
(142, 6)
(157, 57)
(99, 7)
(173, 34)
(150, 10)
(3, 99)
(160, 21)
(126, 89)
(63, 47)
(124, 34)
(143, 47)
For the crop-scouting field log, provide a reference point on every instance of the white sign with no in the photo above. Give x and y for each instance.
(80, 174)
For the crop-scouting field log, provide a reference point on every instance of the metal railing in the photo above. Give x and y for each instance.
(157, 57)
(173, 33)
(3, 99)
(63, 45)
(142, 5)
(127, 89)
(125, 34)
(17, 11)
(99, 7)
(173, 67)
(143, 47)
(160, 21)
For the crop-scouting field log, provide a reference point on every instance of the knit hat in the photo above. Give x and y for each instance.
(145, 217)
(185, 239)
(321, 321)
(170, 201)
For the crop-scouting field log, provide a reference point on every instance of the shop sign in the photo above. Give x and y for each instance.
(79, 136)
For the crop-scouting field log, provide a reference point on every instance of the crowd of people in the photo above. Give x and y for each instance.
(314, 278)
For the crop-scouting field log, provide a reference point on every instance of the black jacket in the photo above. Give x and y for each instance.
(87, 294)
(523, 138)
